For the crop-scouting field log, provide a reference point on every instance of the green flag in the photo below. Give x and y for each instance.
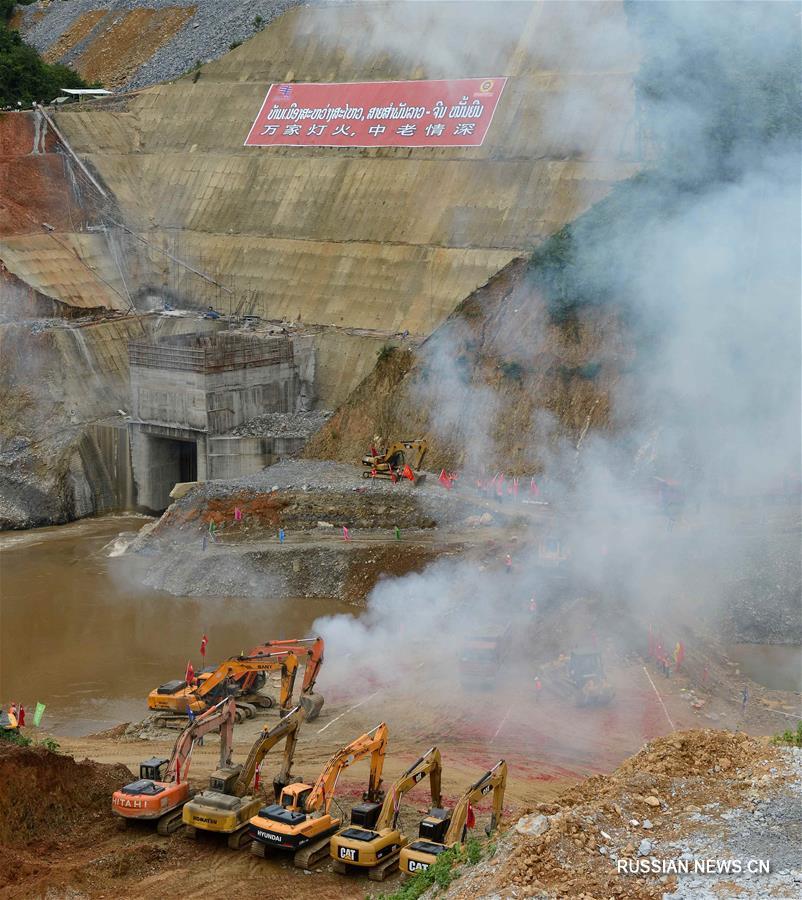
(39, 712)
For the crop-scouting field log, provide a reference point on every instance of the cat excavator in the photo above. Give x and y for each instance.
(172, 700)
(440, 831)
(391, 462)
(228, 805)
(301, 821)
(372, 841)
(162, 789)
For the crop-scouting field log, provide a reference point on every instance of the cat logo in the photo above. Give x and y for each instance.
(417, 776)
(349, 854)
(414, 865)
(486, 789)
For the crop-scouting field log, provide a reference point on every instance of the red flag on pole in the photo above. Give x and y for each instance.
(189, 677)
(257, 777)
(408, 473)
(470, 821)
(444, 479)
(204, 642)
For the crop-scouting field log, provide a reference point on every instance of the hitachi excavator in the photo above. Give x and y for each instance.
(441, 831)
(228, 805)
(301, 822)
(372, 842)
(390, 463)
(231, 677)
(158, 795)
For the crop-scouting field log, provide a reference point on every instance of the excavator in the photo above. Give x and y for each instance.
(440, 831)
(301, 821)
(228, 805)
(162, 788)
(236, 676)
(586, 674)
(390, 463)
(372, 842)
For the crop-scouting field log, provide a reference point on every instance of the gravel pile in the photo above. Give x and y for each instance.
(297, 424)
(207, 35)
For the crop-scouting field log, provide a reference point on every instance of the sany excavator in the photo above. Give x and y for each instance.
(228, 805)
(301, 822)
(391, 462)
(373, 841)
(438, 832)
(231, 677)
(159, 795)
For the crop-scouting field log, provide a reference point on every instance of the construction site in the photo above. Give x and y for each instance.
(399, 451)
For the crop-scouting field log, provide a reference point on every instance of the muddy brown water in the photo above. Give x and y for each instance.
(80, 634)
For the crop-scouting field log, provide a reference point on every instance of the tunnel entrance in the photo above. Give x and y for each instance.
(187, 460)
(162, 462)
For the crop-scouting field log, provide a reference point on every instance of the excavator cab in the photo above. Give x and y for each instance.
(153, 769)
(435, 825)
(293, 796)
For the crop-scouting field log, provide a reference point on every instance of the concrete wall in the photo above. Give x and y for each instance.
(239, 395)
(230, 456)
(169, 397)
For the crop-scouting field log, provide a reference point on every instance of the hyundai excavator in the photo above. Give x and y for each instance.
(441, 831)
(177, 697)
(228, 805)
(162, 788)
(301, 821)
(372, 841)
(390, 463)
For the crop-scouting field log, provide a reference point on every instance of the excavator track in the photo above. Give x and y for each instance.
(170, 822)
(312, 853)
(384, 868)
(240, 838)
(247, 708)
(258, 849)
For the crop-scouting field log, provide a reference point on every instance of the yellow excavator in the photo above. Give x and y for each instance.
(162, 789)
(372, 842)
(228, 805)
(301, 821)
(440, 831)
(173, 700)
(390, 463)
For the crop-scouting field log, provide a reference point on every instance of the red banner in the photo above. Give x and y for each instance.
(377, 114)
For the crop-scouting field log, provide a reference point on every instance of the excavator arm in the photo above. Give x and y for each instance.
(286, 729)
(236, 666)
(373, 744)
(221, 716)
(494, 780)
(428, 764)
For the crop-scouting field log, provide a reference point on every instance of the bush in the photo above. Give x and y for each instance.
(15, 737)
(791, 738)
(386, 352)
(24, 77)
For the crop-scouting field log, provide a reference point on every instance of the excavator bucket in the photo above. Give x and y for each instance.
(312, 704)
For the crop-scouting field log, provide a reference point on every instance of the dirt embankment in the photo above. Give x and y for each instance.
(499, 373)
(692, 795)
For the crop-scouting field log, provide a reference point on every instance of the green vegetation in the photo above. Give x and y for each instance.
(15, 737)
(442, 872)
(258, 23)
(791, 738)
(234, 44)
(24, 77)
(513, 371)
(386, 352)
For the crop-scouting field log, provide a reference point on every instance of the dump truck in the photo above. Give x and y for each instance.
(301, 821)
(230, 803)
(162, 789)
(442, 830)
(373, 841)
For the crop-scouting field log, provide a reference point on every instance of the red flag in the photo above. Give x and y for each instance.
(470, 821)
(204, 642)
(408, 473)
(189, 677)
(257, 777)
(444, 479)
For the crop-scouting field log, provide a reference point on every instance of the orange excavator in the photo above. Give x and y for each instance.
(162, 789)
(242, 677)
(373, 840)
(301, 821)
(441, 831)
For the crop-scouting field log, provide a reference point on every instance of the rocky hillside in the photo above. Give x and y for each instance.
(128, 44)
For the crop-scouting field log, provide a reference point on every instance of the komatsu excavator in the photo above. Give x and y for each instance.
(158, 795)
(441, 831)
(175, 698)
(372, 842)
(228, 805)
(301, 821)
(391, 462)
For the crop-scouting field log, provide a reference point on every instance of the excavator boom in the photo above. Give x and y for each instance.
(429, 764)
(286, 729)
(221, 716)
